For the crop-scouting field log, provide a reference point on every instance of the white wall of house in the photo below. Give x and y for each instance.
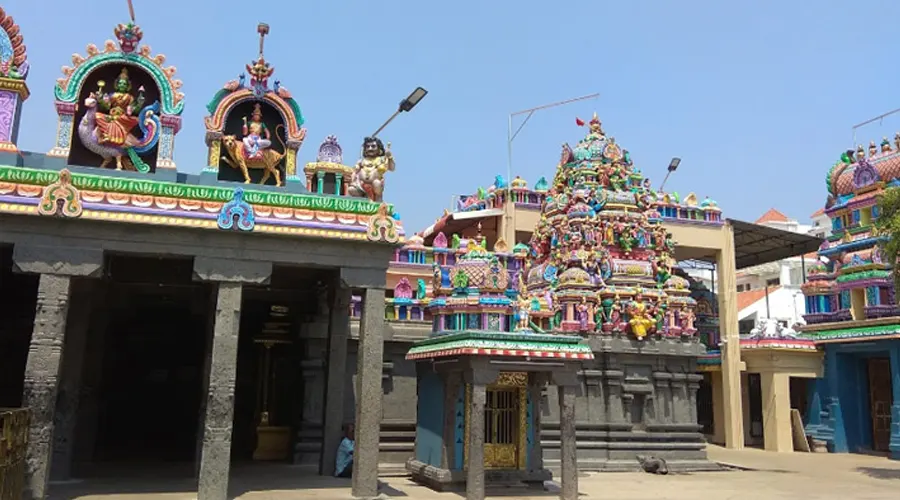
(783, 277)
(821, 226)
(785, 304)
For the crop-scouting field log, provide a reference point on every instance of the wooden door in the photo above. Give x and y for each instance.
(880, 402)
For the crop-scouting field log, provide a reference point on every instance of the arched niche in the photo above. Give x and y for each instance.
(104, 63)
(233, 125)
(79, 153)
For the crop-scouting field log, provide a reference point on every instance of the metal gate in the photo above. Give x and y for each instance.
(501, 418)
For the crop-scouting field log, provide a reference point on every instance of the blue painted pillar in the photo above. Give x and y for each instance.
(895, 406)
(833, 402)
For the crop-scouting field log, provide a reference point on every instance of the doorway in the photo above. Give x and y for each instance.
(880, 396)
(18, 298)
(152, 370)
(705, 414)
(754, 389)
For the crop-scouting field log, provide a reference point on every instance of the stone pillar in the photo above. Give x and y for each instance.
(57, 266)
(535, 389)
(776, 409)
(615, 412)
(370, 362)
(216, 455)
(229, 277)
(731, 350)
(338, 333)
(693, 385)
(664, 398)
(568, 449)
(42, 378)
(475, 459)
(68, 397)
(312, 368)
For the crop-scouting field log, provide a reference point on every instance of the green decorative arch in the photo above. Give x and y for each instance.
(167, 93)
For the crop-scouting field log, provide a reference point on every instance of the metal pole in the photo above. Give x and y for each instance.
(768, 313)
(389, 120)
(879, 118)
(510, 136)
(666, 178)
(803, 267)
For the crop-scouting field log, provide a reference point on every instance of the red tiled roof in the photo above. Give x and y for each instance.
(817, 213)
(772, 216)
(748, 298)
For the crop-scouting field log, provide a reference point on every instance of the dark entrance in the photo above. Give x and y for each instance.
(754, 386)
(880, 394)
(154, 345)
(705, 405)
(18, 298)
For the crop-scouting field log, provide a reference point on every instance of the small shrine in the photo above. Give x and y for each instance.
(480, 378)
(255, 127)
(328, 174)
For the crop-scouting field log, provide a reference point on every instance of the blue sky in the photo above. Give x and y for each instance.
(757, 97)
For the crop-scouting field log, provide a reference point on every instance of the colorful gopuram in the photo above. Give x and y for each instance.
(852, 311)
(604, 264)
(159, 315)
(481, 374)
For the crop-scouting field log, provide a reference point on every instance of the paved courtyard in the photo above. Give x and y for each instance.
(773, 477)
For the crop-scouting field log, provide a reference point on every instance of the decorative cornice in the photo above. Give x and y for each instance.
(17, 86)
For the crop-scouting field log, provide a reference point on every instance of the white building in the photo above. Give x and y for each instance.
(773, 290)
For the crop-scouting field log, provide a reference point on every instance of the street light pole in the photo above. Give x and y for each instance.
(406, 105)
(510, 136)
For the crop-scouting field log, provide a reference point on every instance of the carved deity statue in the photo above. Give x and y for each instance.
(256, 135)
(116, 112)
(368, 179)
(523, 312)
(640, 321)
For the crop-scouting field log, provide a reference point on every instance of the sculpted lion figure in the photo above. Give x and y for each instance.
(237, 157)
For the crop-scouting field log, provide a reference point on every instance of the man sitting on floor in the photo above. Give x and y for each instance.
(343, 466)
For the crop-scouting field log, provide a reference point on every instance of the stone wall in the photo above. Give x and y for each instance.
(634, 399)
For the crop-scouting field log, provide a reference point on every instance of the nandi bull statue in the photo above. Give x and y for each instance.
(768, 328)
(368, 178)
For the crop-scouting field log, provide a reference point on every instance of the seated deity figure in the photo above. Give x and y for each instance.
(256, 135)
(116, 116)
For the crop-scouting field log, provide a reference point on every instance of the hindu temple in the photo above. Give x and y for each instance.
(603, 264)
(155, 317)
(852, 312)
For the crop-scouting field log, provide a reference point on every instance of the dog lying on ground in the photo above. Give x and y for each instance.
(653, 465)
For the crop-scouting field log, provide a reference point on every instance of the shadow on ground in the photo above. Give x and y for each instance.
(879, 472)
(179, 482)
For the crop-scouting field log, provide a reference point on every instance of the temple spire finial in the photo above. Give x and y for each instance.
(263, 30)
(131, 10)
